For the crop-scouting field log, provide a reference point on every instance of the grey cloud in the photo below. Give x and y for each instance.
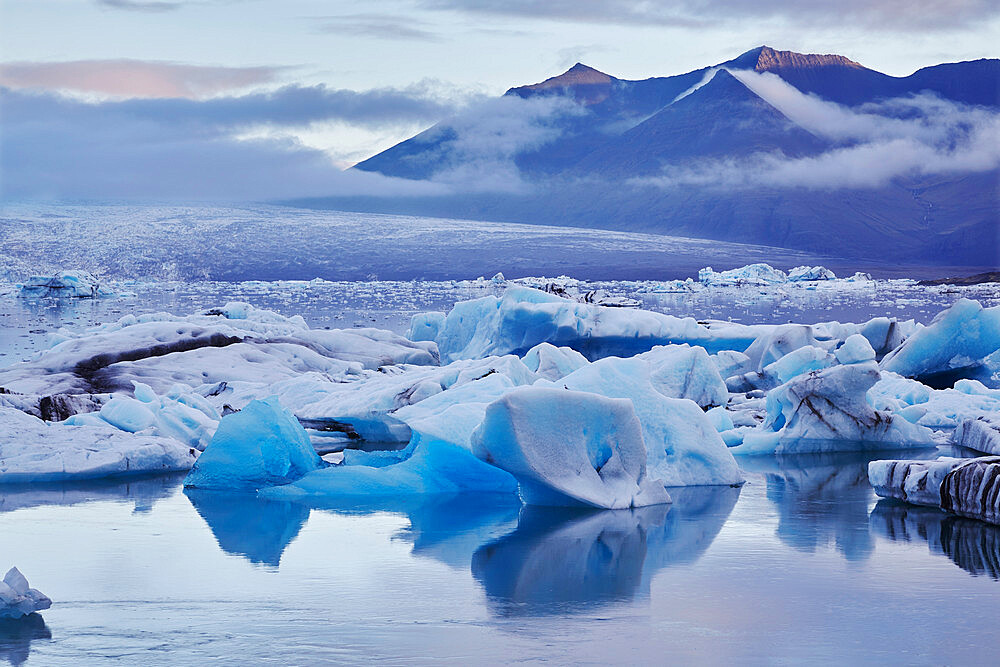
(381, 26)
(894, 15)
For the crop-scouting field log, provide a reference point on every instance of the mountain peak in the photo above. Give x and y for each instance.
(577, 75)
(766, 59)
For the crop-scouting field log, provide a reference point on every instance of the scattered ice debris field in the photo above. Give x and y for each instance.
(410, 424)
(471, 397)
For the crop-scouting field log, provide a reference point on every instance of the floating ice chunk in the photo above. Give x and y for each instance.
(433, 468)
(78, 284)
(828, 411)
(752, 274)
(855, 349)
(682, 446)
(937, 409)
(720, 419)
(525, 317)
(682, 371)
(260, 446)
(957, 338)
(804, 273)
(967, 487)
(551, 362)
(17, 599)
(569, 448)
(498, 278)
(32, 450)
(982, 434)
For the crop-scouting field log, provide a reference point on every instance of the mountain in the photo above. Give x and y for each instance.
(605, 164)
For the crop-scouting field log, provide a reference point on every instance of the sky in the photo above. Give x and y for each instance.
(185, 87)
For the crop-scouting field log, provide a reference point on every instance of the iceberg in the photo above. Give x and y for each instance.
(551, 362)
(432, 467)
(73, 284)
(967, 487)
(957, 340)
(683, 447)
(17, 599)
(982, 434)
(752, 274)
(940, 409)
(524, 317)
(260, 446)
(808, 273)
(32, 450)
(828, 411)
(569, 448)
(682, 371)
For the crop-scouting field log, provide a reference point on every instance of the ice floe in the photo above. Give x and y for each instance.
(32, 450)
(17, 599)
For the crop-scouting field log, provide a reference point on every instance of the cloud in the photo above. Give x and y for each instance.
(872, 145)
(886, 15)
(380, 26)
(484, 140)
(135, 78)
(59, 147)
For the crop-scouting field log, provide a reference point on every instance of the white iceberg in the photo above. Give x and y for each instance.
(551, 362)
(74, 284)
(828, 411)
(32, 450)
(956, 339)
(939, 409)
(683, 448)
(17, 599)
(682, 371)
(569, 448)
(260, 446)
(752, 274)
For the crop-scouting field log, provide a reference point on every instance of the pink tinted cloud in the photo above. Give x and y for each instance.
(134, 78)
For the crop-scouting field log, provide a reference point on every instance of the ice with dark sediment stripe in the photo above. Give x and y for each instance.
(967, 487)
(982, 434)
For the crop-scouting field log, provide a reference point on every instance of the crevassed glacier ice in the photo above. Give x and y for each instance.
(32, 450)
(17, 599)
(956, 339)
(828, 411)
(569, 448)
(260, 446)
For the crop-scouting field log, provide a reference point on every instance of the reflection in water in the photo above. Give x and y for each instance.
(821, 498)
(16, 635)
(143, 491)
(972, 545)
(559, 559)
(245, 525)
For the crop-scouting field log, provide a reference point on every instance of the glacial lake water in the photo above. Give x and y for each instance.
(801, 564)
